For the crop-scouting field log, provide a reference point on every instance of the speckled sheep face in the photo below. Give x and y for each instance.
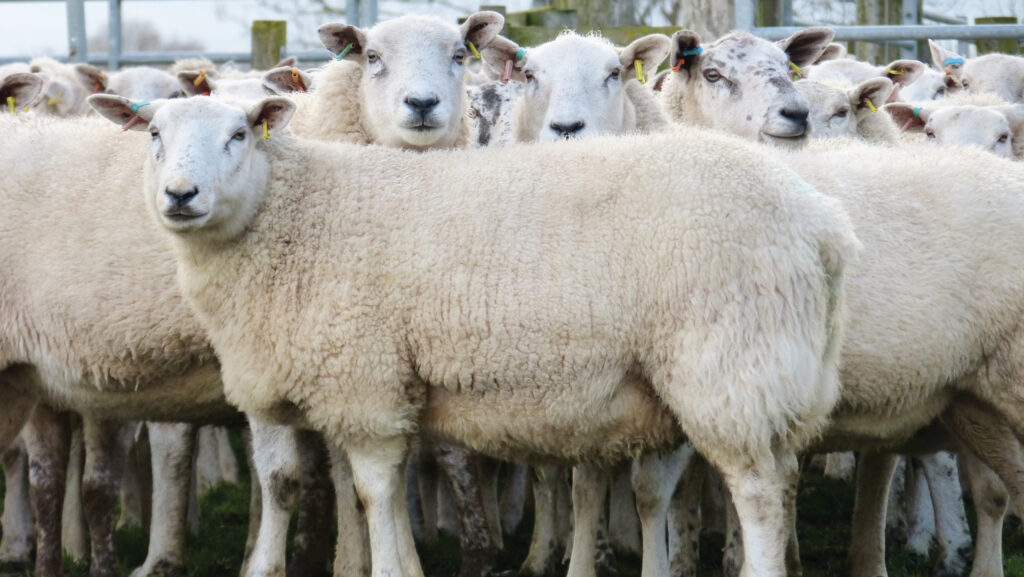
(413, 92)
(743, 84)
(574, 86)
(207, 168)
(971, 126)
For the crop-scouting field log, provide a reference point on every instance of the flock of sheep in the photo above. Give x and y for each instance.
(447, 245)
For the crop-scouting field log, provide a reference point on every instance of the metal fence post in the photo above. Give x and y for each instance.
(911, 17)
(367, 13)
(77, 49)
(114, 35)
(745, 12)
(269, 38)
(352, 12)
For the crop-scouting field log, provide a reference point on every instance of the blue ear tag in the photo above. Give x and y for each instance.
(344, 51)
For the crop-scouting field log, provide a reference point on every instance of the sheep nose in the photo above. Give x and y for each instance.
(181, 197)
(796, 115)
(422, 105)
(567, 130)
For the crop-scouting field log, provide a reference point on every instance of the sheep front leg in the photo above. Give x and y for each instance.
(684, 521)
(276, 463)
(352, 552)
(541, 558)
(171, 449)
(378, 473)
(951, 528)
(867, 544)
(655, 478)
(47, 437)
(18, 524)
(463, 475)
(990, 499)
(589, 486)
(106, 449)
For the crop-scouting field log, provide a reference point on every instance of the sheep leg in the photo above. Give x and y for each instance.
(255, 502)
(489, 470)
(623, 523)
(378, 473)
(951, 528)
(171, 448)
(684, 520)
(758, 491)
(136, 483)
(461, 470)
(840, 466)
(18, 524)
(896, 521)
(74, 531)
(208, 474)
(106, 447)
(867, 546)
(990, 499)
(226, 456)
(311, 544)
(276, 463)
(920, 512)
(589, 486)
(513, 498)
(47, 437)
(427, 475)
(732, 551)
(540, 559)
(352, 557)
(655, 478)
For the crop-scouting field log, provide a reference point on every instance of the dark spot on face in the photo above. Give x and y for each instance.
(779, 82)
(749, 118)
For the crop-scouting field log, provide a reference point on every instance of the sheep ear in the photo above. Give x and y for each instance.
(877, 90)
(946, 60)
(481, 28)
(285, 79)
(907, 116)
(91, 77)
(684, 57)
(26, 89)
(904, 72)
(833, 51)
(336, 37)
(290, 61)
(501, 50)
(805, 46)
(276, 111)
(195, 82)
(118, 110)
(651, 50)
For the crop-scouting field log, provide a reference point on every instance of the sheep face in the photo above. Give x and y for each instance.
(999, 74)
(412, 93)
(143, 83)
(574, 86)
(206, 168)
(743, 84)
(838, 111)
(932, 85)
(971, 126)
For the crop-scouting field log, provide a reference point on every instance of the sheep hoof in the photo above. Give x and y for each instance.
(161, 568)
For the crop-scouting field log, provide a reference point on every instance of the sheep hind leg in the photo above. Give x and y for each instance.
(18, 524)
(951, 528)
(378, 473)
(47, 437)
(540, 560)
(462, 472)
(513, 498)
(655, 478)
(106, 449)
(685, 520)
(311, 545)
(352, 552)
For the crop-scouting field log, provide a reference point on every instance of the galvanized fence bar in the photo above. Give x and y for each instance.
(147, 58)
(77, 49)
(114, 35)
(892, 32)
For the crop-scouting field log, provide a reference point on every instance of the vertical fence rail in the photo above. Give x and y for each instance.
(77, 49)
(114, 35)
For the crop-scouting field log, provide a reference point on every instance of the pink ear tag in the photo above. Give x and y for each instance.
(131, 122)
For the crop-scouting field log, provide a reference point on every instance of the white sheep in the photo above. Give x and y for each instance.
(65, 94)
(841, 110)
(902, 73)
(137, 83)
(989, 124)
(1001, 74)
(398, 328)
(742, 84)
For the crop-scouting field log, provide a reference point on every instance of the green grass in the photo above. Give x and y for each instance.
(824, 512)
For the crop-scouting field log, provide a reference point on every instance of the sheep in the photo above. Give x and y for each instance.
(997, 127)
(902, 73)
(1001, 74)
(931, 85)
(21, 90)
(839, 110)
(555, 74)
(138, 83)
(65, 94)
(576, 86)
(741, 84)
(470, 394)
(281, 80)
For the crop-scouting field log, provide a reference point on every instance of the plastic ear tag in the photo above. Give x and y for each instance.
(917, 111)
(871, 105)
(679, 65)
(344, 51)
(892, 72)
(520, 54)
(506, 75)
(53, 101)
(297, 80)
(638, 66)
(135, 119)
(797, 71)
(266, 131)
(472, 48)
(10, 104)
(200, 78)
(949, 61)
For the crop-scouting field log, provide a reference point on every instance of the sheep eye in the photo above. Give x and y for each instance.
(460, 56)
(930, 134)
(712, 75)
(372, 56)
(154, 133)
(528, 74)
(842, 113)
(1004, 138)
(240, 135)
(941, 91)
(615, 74)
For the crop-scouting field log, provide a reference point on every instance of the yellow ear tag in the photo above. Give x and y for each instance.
(638, 65)
(200, 78)
(10, 104)
(892, 72)
(266, 131)
(797, 71)
(53, 101)
(870, 104)
(472, 48)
